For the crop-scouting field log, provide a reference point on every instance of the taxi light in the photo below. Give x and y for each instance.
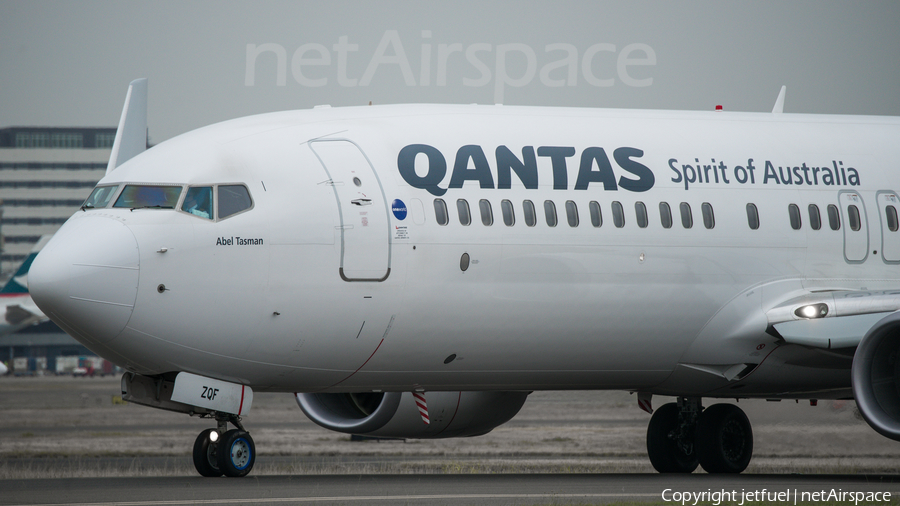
(811, 311)
(213, 436)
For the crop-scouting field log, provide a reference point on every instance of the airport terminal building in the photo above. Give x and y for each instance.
(45, 175)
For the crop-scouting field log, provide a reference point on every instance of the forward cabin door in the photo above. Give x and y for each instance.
(855, 225)
(365, 226)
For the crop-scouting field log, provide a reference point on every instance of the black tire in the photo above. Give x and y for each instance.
(236, 453)
(205, 459)
(665, 454)
(724, 439)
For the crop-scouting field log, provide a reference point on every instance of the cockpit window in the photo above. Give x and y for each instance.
(99, 197)
(233, 199)
(198, 202)
(154, 197)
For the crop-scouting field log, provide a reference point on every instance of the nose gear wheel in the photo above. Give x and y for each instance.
(220, 452)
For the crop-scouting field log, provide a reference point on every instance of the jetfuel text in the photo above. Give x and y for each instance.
(471, 164)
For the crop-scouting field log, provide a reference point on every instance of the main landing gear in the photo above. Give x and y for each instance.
(226, 452)
(682, 435)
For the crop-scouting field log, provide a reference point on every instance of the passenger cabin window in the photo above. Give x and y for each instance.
(853, 218)
(440, 212)
(462, 207)
(572, 213)
(99, 197)
(640, 214)
(687, 220)
(199, 202)
(618, 214)
(150, 197)
(233, 199)
(752, 216)
(487, 215)
(530, 214)
(509, 215)
(550, 213)
(794, 213)
(815, 220)
(890, 212)
(596, 216)
(834, 217)
(665, 215)
(709, 219)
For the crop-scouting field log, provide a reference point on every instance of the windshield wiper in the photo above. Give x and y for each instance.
(157, 206)
(86, 205)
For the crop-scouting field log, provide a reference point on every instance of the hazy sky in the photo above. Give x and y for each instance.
(69, 63)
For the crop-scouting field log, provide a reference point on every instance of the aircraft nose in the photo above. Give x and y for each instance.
(86, 278)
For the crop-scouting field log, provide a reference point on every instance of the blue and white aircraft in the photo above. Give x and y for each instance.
(18, 310)
(417, 270)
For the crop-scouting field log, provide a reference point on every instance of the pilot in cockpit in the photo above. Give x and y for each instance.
(198, 202)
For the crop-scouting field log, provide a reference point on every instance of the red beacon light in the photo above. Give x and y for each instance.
(719, 108)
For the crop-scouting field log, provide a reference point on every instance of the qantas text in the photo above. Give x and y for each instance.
(471, 164)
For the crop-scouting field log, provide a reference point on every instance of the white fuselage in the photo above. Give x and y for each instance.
(320, 286)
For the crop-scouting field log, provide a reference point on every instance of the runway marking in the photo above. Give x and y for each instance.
(355, 498)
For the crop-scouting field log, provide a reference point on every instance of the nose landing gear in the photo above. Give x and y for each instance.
(220, 451)
(206, 459)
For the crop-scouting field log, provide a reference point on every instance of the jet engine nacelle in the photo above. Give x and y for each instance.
(395, 414)
(876, 376)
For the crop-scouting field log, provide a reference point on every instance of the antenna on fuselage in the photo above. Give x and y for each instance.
(779, 102)
(131, 135)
